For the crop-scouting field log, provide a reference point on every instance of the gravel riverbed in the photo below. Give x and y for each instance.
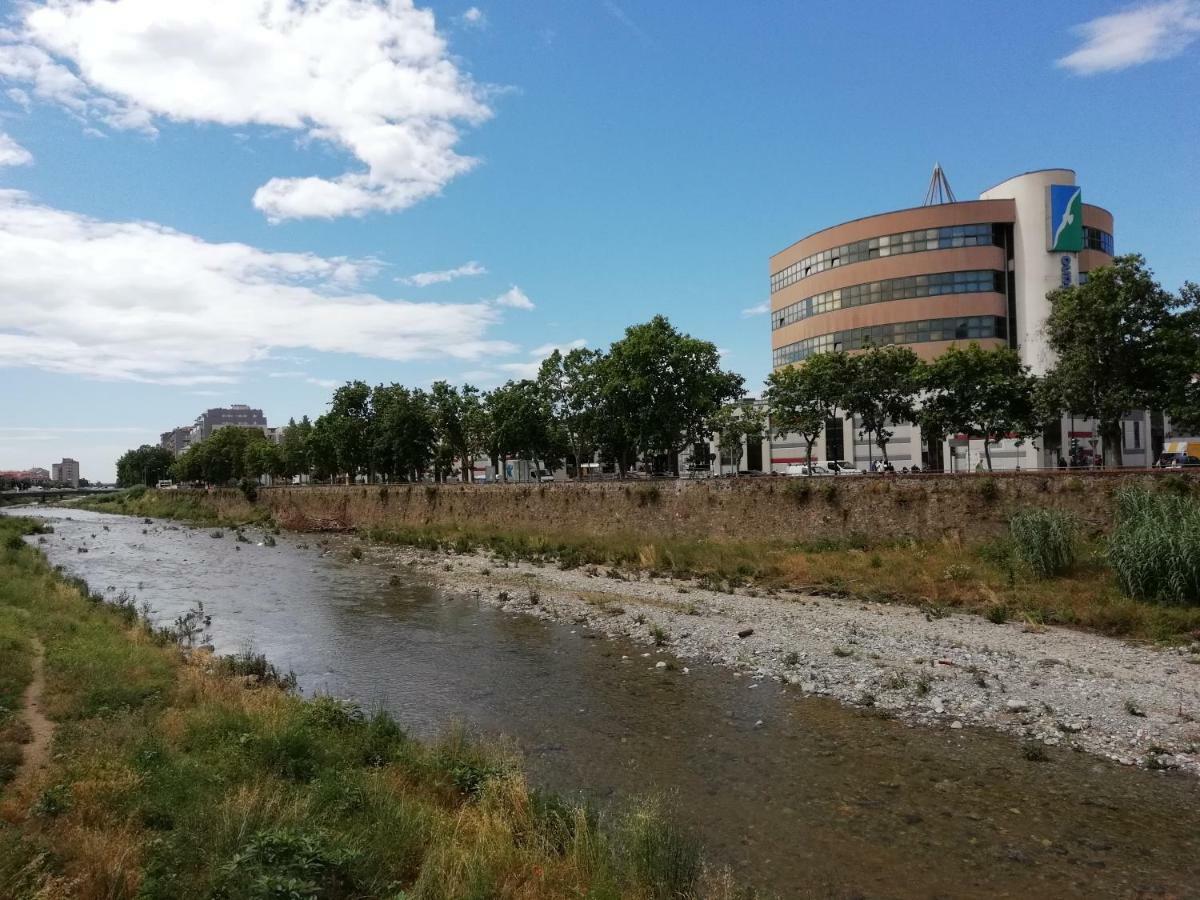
(1137, 704)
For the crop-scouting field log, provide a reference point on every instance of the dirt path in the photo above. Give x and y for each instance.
(36, 753)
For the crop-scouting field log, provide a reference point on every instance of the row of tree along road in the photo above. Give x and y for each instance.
(1121, 341)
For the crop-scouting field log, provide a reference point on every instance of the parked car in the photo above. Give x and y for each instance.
(799, 470)
(842, 467)
(543, 476)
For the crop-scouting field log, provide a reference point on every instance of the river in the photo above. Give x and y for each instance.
(800, 796)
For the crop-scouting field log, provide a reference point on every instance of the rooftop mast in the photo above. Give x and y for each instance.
(939, 188)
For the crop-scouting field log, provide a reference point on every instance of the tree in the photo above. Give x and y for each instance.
(402, 431)
(263, 458)
(881, 389)
(1183, 392)
(522, 425)
(1119, 346)
(348, 427)
(980, 392)
(734, 424)
(804, 397)
(665, 387)
(145, 465)
(571, 385)
(295, 447)
(453, 411)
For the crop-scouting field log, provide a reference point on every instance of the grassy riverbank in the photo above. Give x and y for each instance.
(979, 576)
(175, 775)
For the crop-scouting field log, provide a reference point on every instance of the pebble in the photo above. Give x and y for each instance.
(660, 665)
(1015, 706)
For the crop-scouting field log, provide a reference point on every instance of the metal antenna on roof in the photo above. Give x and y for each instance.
(939, 188)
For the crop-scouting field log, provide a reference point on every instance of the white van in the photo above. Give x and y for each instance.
(799, 470)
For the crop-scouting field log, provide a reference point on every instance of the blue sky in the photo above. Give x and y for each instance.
(200, 209)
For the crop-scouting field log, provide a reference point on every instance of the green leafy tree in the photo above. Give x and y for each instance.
(402, 431)
(522, 425)
(349, 428)
(803, 398)
(295, 447)
(1120, 346)
(665, 388)
(263, 458)
(1183, 388)
(224, 456)
(734, 425)
(322, 448)
(881, 390)
(987, 393)
(571, 385)
(456, 417)
(145, 465)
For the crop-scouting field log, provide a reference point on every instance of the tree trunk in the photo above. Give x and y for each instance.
(808, 451)
(1112, 436)
(987, 452)
(504, 467)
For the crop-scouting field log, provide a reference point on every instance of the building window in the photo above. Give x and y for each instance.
(920, 332)
(970, 282)
(949, 237)
(1095, 239)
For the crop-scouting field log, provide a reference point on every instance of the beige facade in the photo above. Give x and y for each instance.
(932, 277)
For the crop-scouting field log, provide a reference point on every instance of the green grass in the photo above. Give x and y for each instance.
(193, 507)
(170, 778)
(1045, 540)
(1155, 546)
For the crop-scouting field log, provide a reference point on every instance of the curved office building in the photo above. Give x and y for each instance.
(933, 276)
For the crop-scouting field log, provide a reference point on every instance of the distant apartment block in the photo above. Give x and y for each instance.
(177, 439)
(65, 472)
(33, 475)
(238, 414)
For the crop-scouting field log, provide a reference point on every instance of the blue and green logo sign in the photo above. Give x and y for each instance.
(1066, 218)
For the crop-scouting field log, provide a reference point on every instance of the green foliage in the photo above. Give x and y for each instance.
(1045, 540)
(1120, 345)
(660, 390)
(288, 862)
(1154, 548)
(881, 387)
(144, 466)
(803, 398)
(980, 392)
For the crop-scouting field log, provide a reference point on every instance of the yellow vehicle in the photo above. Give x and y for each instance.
(1179, 453)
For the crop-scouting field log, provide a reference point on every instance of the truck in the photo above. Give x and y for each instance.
(1179, 453)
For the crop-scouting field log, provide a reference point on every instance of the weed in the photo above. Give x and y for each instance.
(659, 634)
(791, 659)
(799, 490)
(923, 685)
(649, 496)
(356, 553)
(989, 490)
(1155, 546)
(956, 572)
(897, 681)
(1131, 707)
(1034, 752)
(1045, 540)
(997, 613)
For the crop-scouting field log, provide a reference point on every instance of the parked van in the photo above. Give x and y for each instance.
(1179, 453)
(842, 467)
(166, 484)
(799, 470)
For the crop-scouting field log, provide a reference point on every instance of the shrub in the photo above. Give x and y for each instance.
(1155, 546)
(1045, 539)
(249, 489)
(799, 490)
(989, 490)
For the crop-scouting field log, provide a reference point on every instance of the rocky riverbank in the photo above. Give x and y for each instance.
(1056, 688)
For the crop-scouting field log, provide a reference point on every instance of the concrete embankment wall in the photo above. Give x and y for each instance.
(751, 509)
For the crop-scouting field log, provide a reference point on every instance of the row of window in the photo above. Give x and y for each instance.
(971, 282)
(919, 332)
(1095, 239)
(889, 245)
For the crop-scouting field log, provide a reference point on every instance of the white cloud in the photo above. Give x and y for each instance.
(424, 279)
(1135, 36)
(474, 18)
(12, 153)
(138, 301)
(546, 349)
(374, 80)
(759, 309)
(324, 382)
(514, 298)
(19, 97)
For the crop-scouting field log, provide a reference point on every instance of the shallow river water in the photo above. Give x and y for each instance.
(799, 795)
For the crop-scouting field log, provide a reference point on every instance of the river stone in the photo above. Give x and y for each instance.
(1016, 706)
